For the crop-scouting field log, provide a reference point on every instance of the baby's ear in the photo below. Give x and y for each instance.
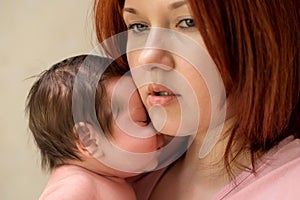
(89, 140)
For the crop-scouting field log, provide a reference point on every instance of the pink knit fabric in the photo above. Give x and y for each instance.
(277, 178)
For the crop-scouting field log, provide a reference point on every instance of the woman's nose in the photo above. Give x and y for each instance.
(154, 51)
(156, 58)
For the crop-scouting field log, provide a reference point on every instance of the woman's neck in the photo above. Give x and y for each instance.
(208, 174)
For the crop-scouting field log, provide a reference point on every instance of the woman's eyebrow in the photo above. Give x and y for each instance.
(172, 6)
(176, 5)
(130, 10)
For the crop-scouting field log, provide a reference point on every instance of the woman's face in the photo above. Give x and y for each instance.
(174, 90)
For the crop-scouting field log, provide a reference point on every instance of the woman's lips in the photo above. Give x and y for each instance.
(160, 95)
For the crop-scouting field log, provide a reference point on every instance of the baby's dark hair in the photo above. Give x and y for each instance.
(49, 105)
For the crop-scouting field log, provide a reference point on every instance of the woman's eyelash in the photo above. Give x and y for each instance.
(130, 26)
(141, 27)
(186, 23)
(137, 27)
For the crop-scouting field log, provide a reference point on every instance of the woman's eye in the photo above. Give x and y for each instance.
(186, 23)
(138, 28)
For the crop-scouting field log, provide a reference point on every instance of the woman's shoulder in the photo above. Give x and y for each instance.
(277, 176)
(282, 159)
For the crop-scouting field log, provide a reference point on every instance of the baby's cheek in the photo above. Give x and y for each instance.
(134, 144)
(143, 145)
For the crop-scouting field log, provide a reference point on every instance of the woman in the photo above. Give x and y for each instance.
(255, 46)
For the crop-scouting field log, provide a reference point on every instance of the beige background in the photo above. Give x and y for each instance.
(34, 34)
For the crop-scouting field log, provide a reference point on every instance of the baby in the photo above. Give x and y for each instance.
(70, 129)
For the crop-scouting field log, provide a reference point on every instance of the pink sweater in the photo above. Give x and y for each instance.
(277, 178)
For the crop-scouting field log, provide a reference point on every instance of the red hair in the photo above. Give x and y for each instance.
(256, 46)
(109, 22)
